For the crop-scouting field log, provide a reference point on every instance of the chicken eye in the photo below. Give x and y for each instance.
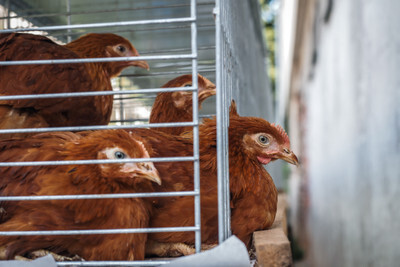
(263, 139)
(119, 155)
(188, 85)
(121, 48)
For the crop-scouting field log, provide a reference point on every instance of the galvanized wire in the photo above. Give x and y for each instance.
(145, 120)
(87, 60)
(68, 13)
(101, 25)
(241, 75)
(196, 141)
(167, 73)
(222, 127)
(193, 57)
(160, 28)
(102, 231)
(93, 161)
(99, 127)
(100, 196)
(97, 93)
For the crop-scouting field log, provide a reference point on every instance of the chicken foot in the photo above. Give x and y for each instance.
(37, 254)
(57, 257)
(173, 249)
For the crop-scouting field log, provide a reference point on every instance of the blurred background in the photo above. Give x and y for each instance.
(326, 70)
(339, 93)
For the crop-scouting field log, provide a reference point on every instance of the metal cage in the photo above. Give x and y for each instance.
(221, 39)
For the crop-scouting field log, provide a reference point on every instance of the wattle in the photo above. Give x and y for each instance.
(264, 160)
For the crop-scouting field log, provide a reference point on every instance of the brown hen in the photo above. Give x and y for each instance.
(78, 214)
(253, 142)
(177, 106)
(60, 78)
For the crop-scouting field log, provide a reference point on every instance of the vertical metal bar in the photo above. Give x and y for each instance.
(225, 159)
(121, 104)
(224, 86)
(223, 61)
(219, 99)
(196, 153)
(69, 20)
(227, 89)
(8, 26)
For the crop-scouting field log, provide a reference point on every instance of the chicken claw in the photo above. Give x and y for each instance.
(168, 249)
(173, 249)
(57, 257)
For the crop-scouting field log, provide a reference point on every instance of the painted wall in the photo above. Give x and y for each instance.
(351, 135)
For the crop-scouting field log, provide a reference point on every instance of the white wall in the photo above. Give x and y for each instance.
(352, 137)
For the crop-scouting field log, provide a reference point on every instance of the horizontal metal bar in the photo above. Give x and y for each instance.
(165, 73)
(151, 52)
(101, 231)
(101, 59)
(113, 263)
(175, 27)
(92, 161)
(100, 196)
(202, 116)
(184, 64)
(142, 120)
(207, 116)
(180, 68)
(98, 11)
(139, 98)
(97, 93)
(200, 26)
(97, 127)
(100, 25)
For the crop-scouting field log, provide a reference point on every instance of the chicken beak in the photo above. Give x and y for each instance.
(149, 172)
(144, 170)
(141, 64)
(290, 158)
(210, 90)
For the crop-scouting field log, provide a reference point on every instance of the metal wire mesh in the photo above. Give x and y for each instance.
(168, 62)
(241, 75)
(177, 37)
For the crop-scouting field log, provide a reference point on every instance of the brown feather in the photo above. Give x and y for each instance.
(177, 106)
(76, 179)
(253, 193)
(61, 78)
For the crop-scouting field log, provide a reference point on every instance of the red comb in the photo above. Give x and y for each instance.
(281, 132)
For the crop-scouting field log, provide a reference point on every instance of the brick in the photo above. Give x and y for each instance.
(280, 218)
(272, 248)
